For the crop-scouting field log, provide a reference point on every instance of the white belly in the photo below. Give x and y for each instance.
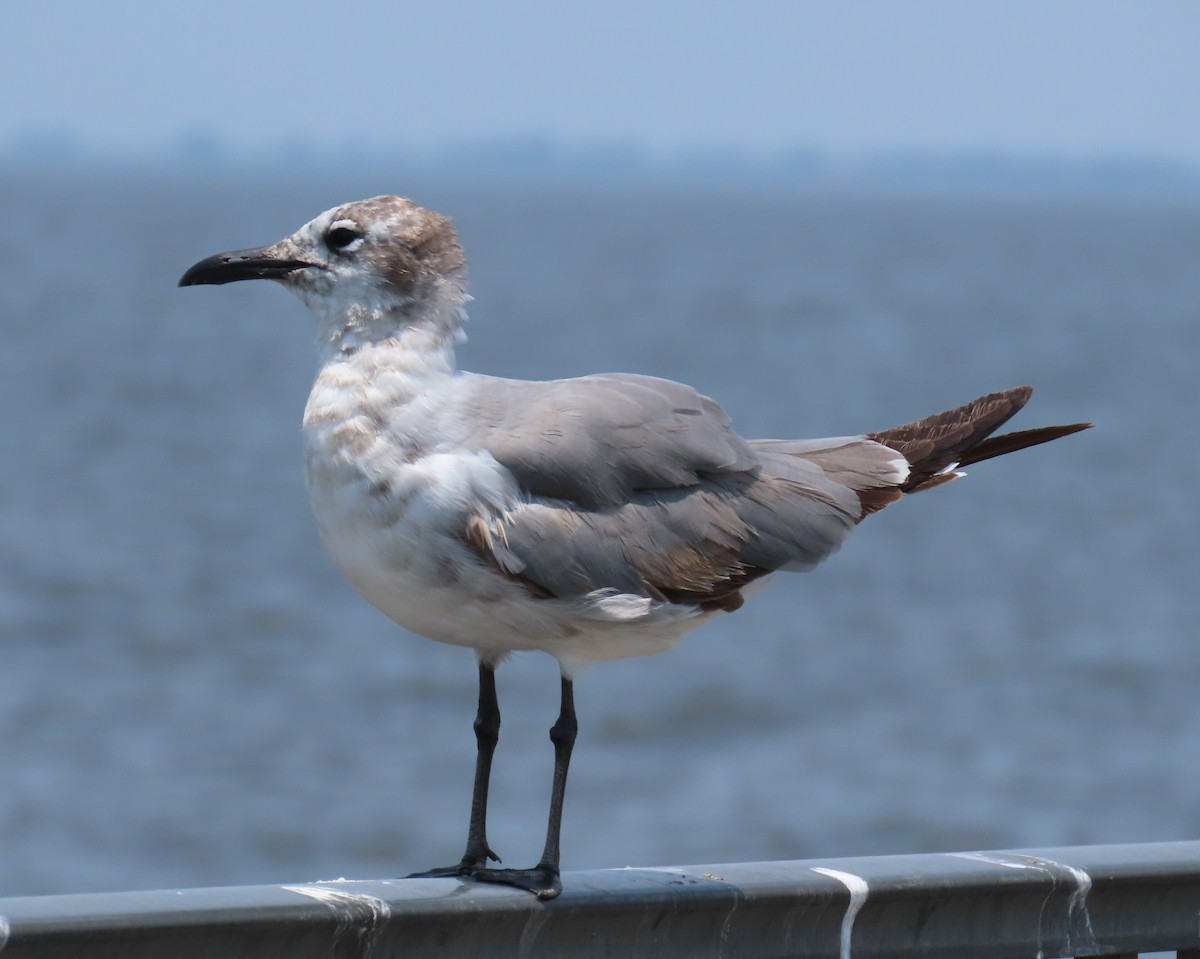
(401, 549)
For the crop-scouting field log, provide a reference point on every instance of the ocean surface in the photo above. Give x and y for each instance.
(191, 695)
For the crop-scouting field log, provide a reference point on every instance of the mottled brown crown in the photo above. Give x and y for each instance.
(420, 243)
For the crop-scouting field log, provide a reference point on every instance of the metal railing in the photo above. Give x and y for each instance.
(1082, 901)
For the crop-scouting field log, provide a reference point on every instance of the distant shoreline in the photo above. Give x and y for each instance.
(545, 162)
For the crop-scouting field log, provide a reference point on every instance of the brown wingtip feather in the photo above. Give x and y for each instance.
(962, 436)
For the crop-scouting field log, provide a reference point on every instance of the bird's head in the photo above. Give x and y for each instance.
(372, 261)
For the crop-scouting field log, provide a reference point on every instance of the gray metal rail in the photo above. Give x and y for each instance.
(1083, 901)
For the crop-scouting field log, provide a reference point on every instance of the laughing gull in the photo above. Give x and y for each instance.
(592, 518)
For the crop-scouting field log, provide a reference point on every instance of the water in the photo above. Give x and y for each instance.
(190, 695)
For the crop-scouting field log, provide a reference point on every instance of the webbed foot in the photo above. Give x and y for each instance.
(542, 880)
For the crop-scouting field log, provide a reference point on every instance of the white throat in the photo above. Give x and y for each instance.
(419, 332)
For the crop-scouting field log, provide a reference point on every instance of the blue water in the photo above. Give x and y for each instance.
(190, 695)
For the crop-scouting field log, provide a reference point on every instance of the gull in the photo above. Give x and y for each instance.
(593, 518)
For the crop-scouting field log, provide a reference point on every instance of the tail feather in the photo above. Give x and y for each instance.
(936, 445)
(1019, 440)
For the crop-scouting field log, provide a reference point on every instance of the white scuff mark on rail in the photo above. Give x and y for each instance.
(726, 929)
(1022, 862)
(681, 876)
(5, 929)
(355, 912)
(538, 917)
(858, 889)
(991, 860)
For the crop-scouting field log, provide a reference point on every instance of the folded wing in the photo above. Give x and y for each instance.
(638, 485)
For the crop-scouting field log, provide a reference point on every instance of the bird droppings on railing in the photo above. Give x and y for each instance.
(357, 914)
(1076, 905)
(858, 888)
(1083, 901)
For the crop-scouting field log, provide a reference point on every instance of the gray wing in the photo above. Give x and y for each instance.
(596, 440)
(639, 485)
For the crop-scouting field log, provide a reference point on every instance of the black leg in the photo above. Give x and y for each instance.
(543, 879)
(487, 734)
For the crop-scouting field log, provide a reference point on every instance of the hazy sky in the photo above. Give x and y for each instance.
(1044, 76)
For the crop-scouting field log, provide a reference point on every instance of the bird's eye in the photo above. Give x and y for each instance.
(341, 238)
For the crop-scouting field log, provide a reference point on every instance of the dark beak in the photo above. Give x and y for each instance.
(259, 264)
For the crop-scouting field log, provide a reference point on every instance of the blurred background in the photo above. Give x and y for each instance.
(830, 217)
